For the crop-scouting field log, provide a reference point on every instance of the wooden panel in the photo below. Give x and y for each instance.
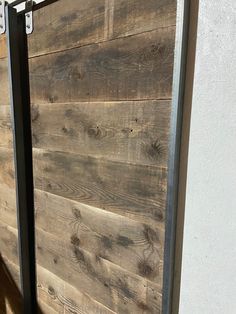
(137, 192)
(8, 243)
(8, 205)
(64, 298)
(107, 283)
(4, 86)
(104, 234)
(10, 295)
(7, 174)
(6, 138)
(137, 67)
(93, 21)
(132, 68)
(101, 87)
(55, 295)
(123, 131)
(3, 47)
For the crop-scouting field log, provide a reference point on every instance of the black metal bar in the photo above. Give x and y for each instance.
(179, 76)
(16, 2)
(38, 6)
(21, 118)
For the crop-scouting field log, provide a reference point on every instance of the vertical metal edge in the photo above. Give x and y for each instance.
(178, 89)
(21, 125)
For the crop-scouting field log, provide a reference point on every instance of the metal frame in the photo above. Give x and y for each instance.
(21, 117)
(20, 109)
(20, 106)
(178, 92)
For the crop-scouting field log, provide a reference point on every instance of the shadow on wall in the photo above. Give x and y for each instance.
(10, 295)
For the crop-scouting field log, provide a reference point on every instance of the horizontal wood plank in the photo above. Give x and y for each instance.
(97, 279)
(59, 26)
(107, 235)
(64, 298)
(105, 282)
(133, 68)
(124, 131)
(135, 191)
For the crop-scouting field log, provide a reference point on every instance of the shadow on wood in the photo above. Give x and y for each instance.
(10, 295)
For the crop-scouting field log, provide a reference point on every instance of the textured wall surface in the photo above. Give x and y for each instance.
(209, 256)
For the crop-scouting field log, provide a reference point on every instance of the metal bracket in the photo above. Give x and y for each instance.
(2, 17)
(29, 23)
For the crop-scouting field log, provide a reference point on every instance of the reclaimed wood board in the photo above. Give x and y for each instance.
(101, 76)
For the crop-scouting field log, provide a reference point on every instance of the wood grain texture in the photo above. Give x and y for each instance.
(8, 205)
(135, 191)
(133, 68)
(133, 246)
(3, 46)
(4, 85)
(64, 298)
(9, 243)
(96, 279)
(137, 67)
(101, 85)
(6, 137)
(10, 292)
(97, 21)
(74, 25)
(117, 289)
(135, 132)
(7, 173)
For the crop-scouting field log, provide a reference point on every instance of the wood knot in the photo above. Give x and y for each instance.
(150, 235)
(75, 240)
(76, 213)
(107, 242)
(145, 269)
(124, 241)
(94, 132)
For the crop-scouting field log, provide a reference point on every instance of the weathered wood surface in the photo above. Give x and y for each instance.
(133, 246)
(6, 138)
(64, 298)
(54, 294)
(3, 47)
(7, 174)
(137, 192)
(133, 68)
(8, 205)
(135, 132)
(10, 294)
(74, 25)
(101, 85)
(105, 282)
(4, 84)
(8, 243)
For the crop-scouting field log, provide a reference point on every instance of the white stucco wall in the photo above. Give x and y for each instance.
(209, 254)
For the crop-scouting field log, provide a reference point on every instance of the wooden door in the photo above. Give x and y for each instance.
(101, 85)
